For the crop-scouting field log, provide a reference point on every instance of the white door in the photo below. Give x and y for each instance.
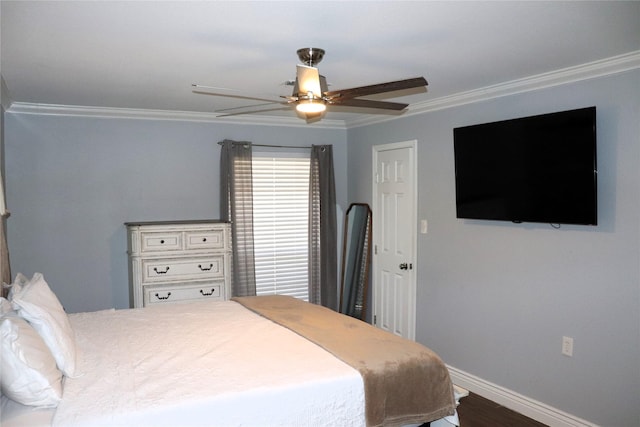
(394, 238)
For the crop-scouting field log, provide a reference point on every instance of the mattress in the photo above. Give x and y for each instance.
(209, 363)
(205, 363)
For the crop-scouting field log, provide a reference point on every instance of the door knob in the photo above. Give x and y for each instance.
(404, 266)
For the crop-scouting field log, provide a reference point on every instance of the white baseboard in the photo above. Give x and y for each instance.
(510, 399)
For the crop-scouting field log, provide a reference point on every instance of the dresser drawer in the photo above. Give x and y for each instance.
(160, 241)
(174, 269)
(182, 293)
(204, 239)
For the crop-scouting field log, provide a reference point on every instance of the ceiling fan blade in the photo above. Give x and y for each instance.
(244, 106)
(368, 103)
(308, 80)
(252, 111)
(252, 98)
(213, 87)
(229, 95)
(377, 88)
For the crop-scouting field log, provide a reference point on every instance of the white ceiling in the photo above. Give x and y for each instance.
(144, 55)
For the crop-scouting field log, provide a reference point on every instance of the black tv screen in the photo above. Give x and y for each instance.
(532, 169)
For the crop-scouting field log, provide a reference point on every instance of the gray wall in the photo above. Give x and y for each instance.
(73, 181)
(495, 298)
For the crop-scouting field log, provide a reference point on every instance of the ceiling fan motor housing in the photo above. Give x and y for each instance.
(310, 56)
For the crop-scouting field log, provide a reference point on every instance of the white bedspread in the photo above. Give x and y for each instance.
(204, 363)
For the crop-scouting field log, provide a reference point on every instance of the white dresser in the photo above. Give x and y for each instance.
(179, 261)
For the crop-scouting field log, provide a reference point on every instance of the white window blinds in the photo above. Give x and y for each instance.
(280, 221)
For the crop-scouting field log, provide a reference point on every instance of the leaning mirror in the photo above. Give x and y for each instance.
(356, 255)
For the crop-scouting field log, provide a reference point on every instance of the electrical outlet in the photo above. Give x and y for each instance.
(423, 226)
(567, 346)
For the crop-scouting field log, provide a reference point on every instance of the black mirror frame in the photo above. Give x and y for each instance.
(356, 261)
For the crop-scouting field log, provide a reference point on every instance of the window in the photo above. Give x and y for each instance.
(280, 221)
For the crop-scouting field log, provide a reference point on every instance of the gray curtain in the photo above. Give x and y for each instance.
(323, 264)
(236, 206)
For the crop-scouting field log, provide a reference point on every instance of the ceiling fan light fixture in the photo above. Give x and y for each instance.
(311, 106)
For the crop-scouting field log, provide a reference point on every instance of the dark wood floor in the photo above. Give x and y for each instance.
(476, 411)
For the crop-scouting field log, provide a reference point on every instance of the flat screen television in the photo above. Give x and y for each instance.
(532, 169)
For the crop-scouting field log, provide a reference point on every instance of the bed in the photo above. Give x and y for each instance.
(253, 361)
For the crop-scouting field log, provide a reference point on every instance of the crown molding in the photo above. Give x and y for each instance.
(591, 70)
(145, 114)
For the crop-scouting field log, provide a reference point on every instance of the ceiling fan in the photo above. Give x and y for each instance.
(311, 95)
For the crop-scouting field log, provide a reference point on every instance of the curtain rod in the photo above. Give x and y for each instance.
(281, 146)
(275, 146)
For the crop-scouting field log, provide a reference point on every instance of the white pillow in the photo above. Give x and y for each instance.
(29, 372)
(36, 303)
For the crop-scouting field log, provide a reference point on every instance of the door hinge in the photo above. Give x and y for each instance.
(375, 249)
(375, 319)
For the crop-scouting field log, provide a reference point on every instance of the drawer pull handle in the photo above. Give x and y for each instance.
(161, 272)
(204, 239)
(162, 241)
(207, 294)
(205, 268)
(163, 298)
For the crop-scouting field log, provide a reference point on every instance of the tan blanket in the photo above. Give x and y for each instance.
(404, 382)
